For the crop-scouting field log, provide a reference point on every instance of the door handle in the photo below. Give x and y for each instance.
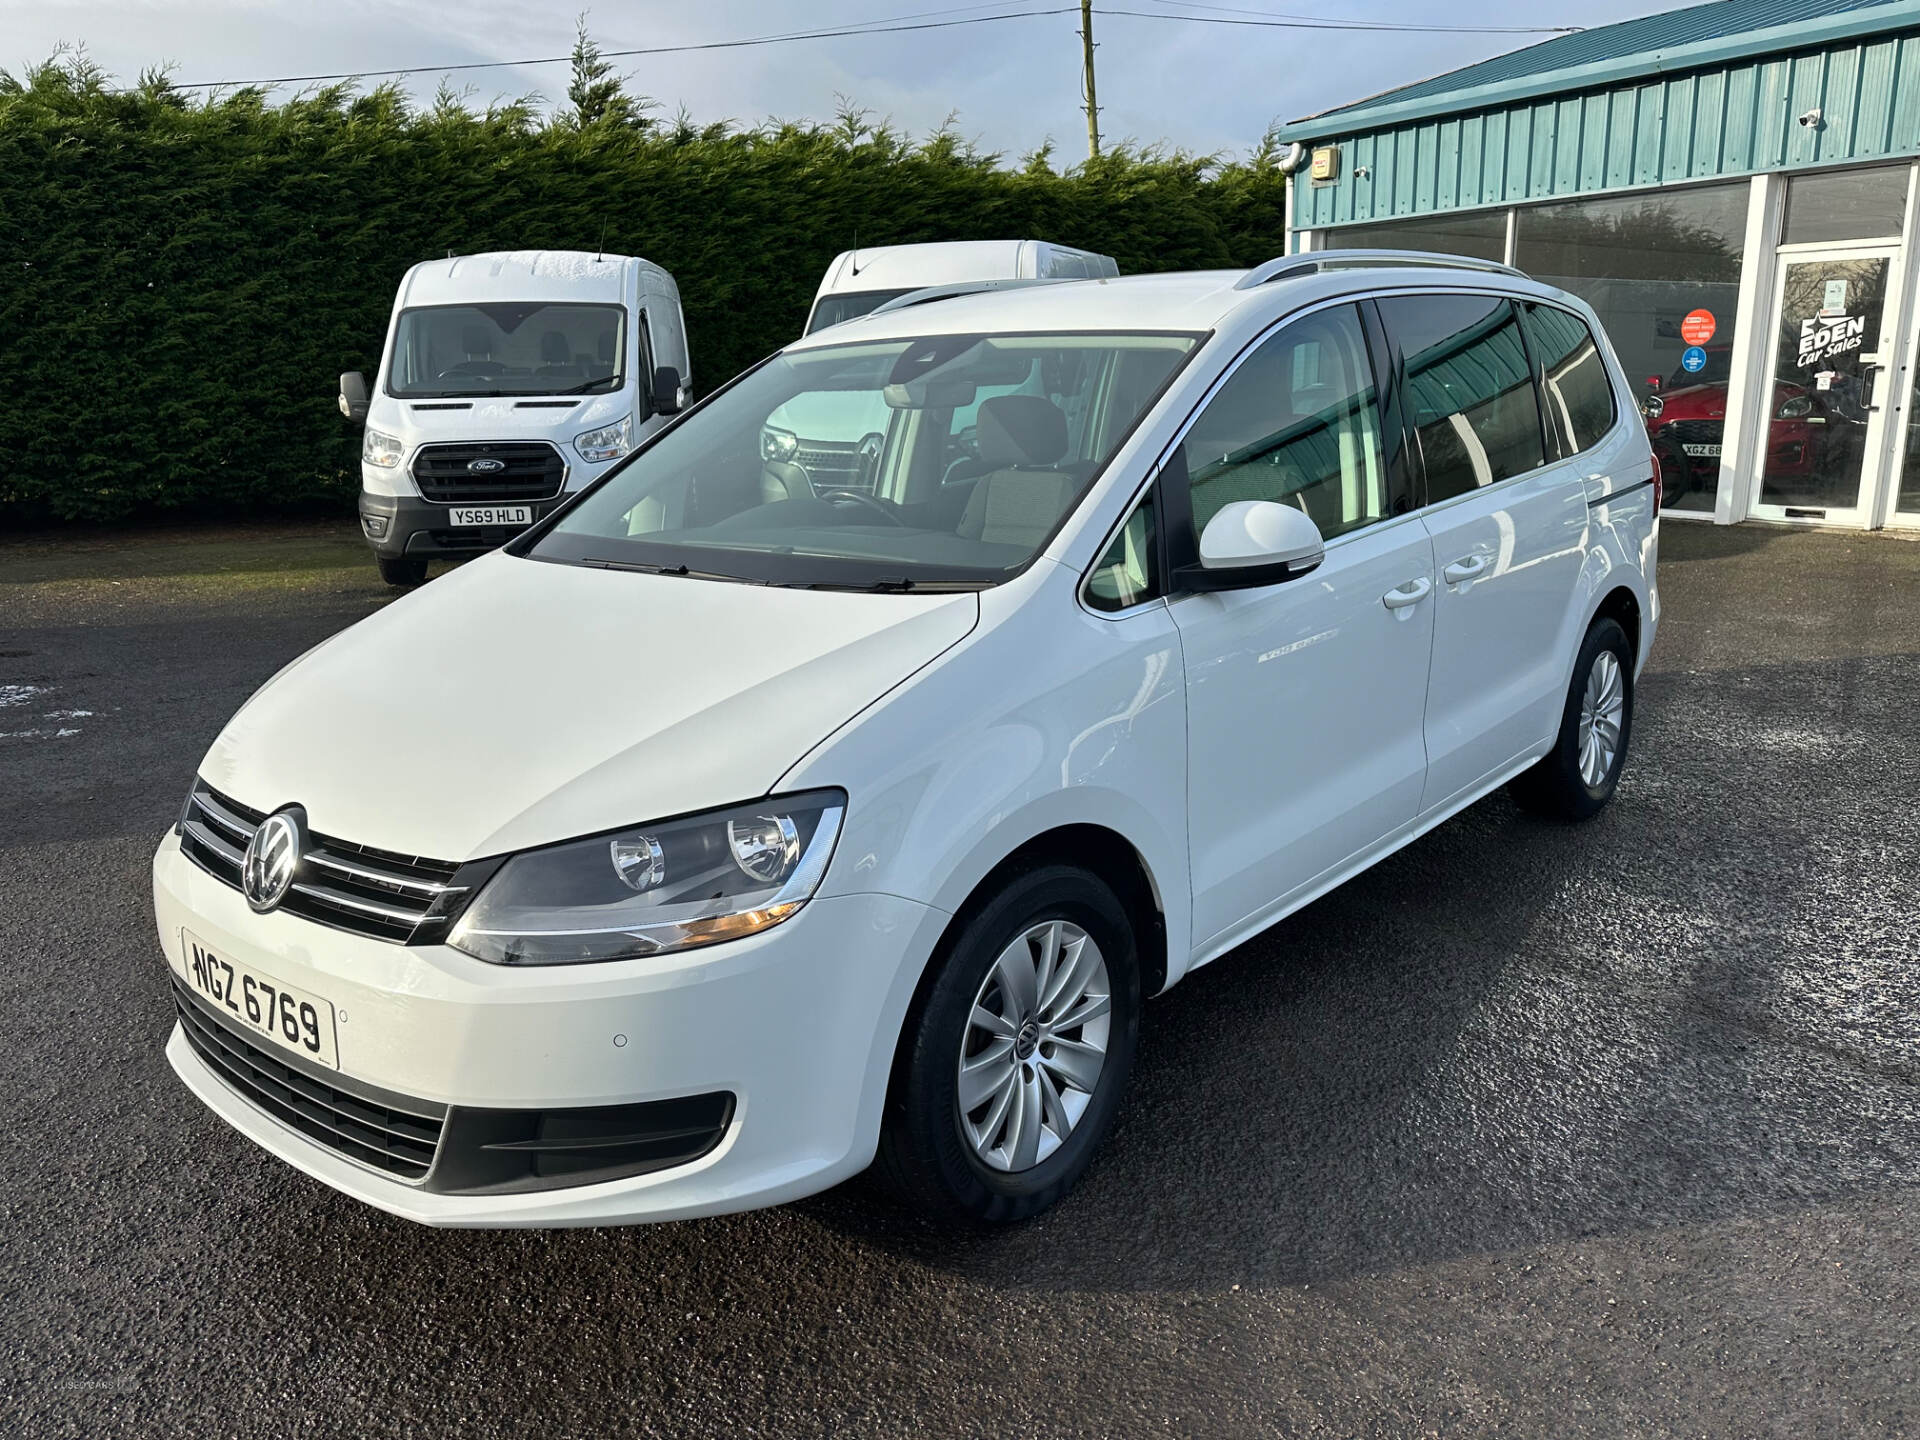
(1411, 593)
(1470, 567)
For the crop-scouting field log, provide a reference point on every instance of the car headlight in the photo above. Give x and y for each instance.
(655, 888)
(381, 449)
(609, 442)
(778, 444)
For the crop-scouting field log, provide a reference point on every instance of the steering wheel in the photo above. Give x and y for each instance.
(860, 497)
(471, 369)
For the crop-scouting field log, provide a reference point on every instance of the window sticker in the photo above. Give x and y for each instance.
(1825, 337)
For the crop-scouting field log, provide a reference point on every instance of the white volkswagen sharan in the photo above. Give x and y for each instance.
(835, 778)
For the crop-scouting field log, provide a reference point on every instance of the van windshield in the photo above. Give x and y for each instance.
(441, 351)
(895, 464)
(832, 309)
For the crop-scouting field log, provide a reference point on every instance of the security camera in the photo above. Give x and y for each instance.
(1811, 120)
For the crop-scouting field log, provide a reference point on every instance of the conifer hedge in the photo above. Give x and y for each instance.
(182, 280)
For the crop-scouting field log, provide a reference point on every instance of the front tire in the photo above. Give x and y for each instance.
(1574, 779)
(403, 572)
(1015, 1056)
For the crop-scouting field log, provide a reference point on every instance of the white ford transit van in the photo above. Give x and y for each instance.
(860, 281)
(508, 381)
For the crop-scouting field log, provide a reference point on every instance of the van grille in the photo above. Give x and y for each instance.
(832, 467)
(532, 470)
(403, 898)
(373, 1131)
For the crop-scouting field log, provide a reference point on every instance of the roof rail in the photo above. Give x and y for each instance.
(1313, 262)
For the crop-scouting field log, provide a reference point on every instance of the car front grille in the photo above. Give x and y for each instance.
(532, 470)
(1697, 432)
(402, 898)
(354, 1123)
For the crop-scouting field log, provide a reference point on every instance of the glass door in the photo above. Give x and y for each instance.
(1824, 416)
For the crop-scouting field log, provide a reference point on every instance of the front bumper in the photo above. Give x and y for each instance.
(408, 525)
(797, 1023)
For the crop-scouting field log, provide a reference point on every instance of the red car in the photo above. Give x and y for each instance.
(1687, 427)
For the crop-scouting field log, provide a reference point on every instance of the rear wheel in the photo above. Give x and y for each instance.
(1582, 770)
(1014, 1059)
(402, 572)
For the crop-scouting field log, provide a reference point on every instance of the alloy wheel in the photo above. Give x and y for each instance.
(1602, 708)
(1035, 1046)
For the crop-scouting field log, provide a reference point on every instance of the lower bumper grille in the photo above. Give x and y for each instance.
(377, 1133)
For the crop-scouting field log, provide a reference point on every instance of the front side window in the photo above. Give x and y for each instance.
(1298, 423)
(885, 464)
(1573, 378)
(1472, 400)
(1129, 572)
(454, 351)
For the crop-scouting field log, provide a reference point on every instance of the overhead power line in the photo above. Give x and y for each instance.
(900, 24)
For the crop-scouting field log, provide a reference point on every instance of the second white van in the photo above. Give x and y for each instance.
(858, 282)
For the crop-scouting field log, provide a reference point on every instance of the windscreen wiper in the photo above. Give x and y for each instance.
(586, 385)
(641, 567)
(901, 585)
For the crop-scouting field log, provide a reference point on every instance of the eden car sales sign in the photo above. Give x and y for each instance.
(1824, 337)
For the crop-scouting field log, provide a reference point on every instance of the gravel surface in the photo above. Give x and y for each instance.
(1607, 1130)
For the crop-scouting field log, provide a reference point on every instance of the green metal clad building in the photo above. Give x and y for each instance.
(1731, 186)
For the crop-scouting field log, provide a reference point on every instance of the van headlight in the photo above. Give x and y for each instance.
(778, 444)
(655, 888)
(609, 442)
(379, 448)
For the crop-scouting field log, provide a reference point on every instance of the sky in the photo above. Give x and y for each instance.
(1011, 85)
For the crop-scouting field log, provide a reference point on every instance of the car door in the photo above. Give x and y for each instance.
(1509, 528)
(1304, 698)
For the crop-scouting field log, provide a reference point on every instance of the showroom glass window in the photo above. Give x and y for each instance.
(1481, 234)
(1469, 392)
(1662, 271)
(1298, 423)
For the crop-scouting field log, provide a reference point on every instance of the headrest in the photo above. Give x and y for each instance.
(473, 340)
(1020, 430)
(554, 349)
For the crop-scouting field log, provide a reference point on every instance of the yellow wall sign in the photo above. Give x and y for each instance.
(1326, 162)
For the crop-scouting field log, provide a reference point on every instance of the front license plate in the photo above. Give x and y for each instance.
(292, 1019)
(491, 515)
(1702, 452)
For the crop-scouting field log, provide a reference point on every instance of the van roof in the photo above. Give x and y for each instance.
(521, 275)
(942, 262)
(1186, 301)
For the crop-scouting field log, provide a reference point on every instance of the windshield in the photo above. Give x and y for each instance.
(832, 309)
(942, 460)
(509, 349)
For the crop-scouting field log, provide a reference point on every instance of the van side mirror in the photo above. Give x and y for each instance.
(1252, 543)
(353, 395)
(669, 392)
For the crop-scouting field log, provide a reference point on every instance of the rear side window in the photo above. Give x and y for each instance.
(1573, 378)
(1469, 395)
(1299, 423)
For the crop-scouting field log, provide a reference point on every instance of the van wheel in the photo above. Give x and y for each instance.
(1579, 775)
(1014, 1058)
(402, 572)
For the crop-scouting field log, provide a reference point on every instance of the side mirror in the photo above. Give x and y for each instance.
(1253, 543)
(669, 393)
(353, 395)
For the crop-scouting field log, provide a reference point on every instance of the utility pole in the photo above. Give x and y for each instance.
(1086, 79)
